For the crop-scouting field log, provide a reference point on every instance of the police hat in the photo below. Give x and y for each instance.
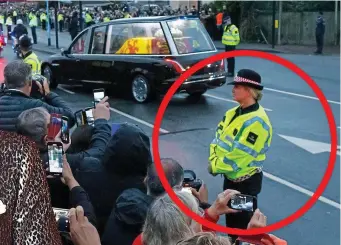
(25, 41)
(248, 78)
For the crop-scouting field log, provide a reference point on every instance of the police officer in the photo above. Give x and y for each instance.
(230, 39)
(28, 56)
(241, 141)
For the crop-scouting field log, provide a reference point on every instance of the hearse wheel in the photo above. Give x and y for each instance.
(141, 89)
(48, 74)
(196, 93)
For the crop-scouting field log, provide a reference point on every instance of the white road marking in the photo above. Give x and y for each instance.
(66, 90)
(227, 100)
(300, 95)
(267, 175)
(302, 190)
(137, 119)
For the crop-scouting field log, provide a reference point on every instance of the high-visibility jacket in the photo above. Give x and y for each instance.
(239, 148)
(2, 19)
(9, 21)
(88, 18)
(231, 36)
(42, 17)
(60, 17)
(106, 19)
(127, 16)
(30, 15)
(33, 21)
(15, 13)
(32, 59)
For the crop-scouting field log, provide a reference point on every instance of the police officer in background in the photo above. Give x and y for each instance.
(28, 55)
(230, 39)
(241, 141)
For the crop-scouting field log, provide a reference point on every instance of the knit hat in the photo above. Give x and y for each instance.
(248, 78)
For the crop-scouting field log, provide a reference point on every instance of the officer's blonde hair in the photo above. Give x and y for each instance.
(256, 94)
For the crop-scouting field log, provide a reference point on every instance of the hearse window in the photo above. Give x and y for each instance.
(190, 36)
(117, 35)
(138, 39)
(79, 47)
(98, 40)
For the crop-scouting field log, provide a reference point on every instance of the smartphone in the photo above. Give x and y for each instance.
(243, 203)
(54, 126)
(80, 118)
(89, 116)
(98, 95)
(55, 153)
(65, 132)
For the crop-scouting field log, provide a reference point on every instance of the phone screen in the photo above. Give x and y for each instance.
(98, 96)
(89, 116)
(55, 126)
(55, 152)
(65, 130)
(242, 202)
(59, 212)
(79, 118)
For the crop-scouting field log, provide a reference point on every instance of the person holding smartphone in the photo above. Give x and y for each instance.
(241, 142)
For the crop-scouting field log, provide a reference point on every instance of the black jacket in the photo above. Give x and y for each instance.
(124, 166)
(19, 30)
(12, 103)
(127, 218)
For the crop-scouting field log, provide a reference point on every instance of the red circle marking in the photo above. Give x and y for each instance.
(323, 101)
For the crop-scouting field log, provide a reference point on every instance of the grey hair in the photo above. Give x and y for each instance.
(206, 238)
(256, 94)
(33, 124)
(17, 74)
(173, 171)
(165, 223)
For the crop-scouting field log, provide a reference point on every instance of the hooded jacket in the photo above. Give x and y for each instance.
(124, 166)
(127, 218)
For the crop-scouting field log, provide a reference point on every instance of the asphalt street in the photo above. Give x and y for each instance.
(299, 152)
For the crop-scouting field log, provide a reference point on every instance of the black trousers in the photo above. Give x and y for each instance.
(34, 34)
(251, 186)
(319, 43)
(230, 61)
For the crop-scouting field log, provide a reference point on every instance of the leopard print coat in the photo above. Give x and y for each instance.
(26, 214)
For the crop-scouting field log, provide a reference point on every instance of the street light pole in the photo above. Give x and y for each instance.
(56, 22)
(80, 16)
(48, 24)
(273, 23)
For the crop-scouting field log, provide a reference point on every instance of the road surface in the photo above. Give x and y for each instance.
(299, 153)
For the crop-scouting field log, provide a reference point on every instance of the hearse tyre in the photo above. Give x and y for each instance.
(141, 89)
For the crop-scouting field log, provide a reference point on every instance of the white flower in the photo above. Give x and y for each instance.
(2, 208)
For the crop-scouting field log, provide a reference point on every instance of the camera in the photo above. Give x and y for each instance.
(190, 180)
(35, 93)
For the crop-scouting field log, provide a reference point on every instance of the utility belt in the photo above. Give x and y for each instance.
(245, 177)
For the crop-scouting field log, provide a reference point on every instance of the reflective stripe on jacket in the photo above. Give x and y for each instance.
(239, 149)
(231, 36)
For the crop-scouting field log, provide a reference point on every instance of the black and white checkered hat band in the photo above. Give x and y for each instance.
(244, 80)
